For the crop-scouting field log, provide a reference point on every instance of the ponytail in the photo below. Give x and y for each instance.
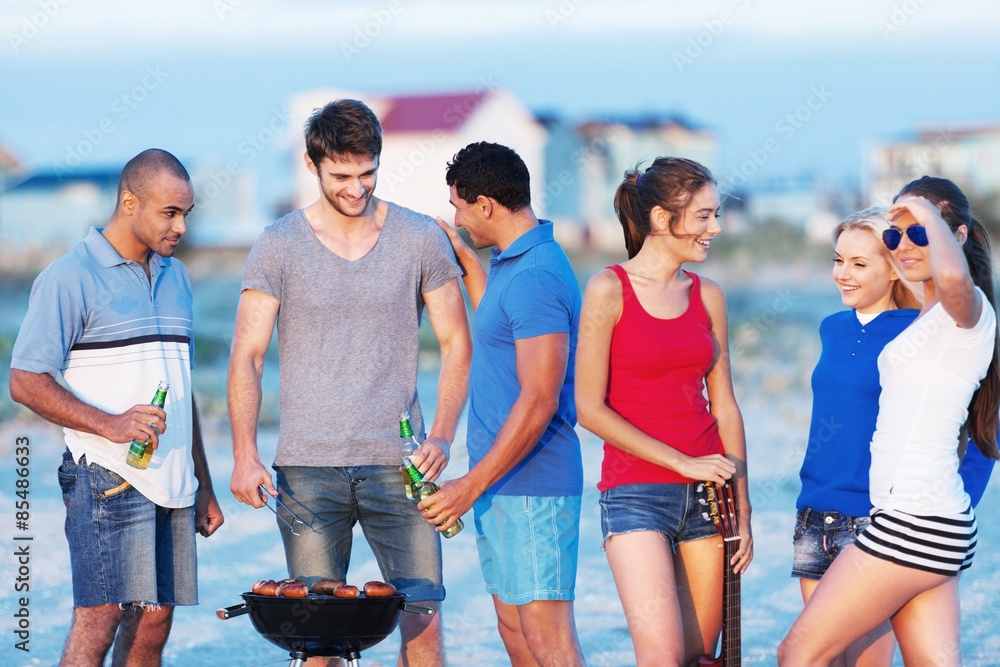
(984, 410)
(627, 209)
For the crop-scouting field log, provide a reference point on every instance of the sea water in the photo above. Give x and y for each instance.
(775, 345)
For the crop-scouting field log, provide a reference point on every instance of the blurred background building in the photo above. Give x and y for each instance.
(970, 156)
(576, 164)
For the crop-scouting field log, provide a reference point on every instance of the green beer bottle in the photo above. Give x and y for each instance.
(410, 445)
(424, 488)
(139, 454)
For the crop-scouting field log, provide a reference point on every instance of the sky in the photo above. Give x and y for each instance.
(92, 82)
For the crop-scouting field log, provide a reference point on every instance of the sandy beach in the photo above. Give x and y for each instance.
(775, 312)
(248, 548)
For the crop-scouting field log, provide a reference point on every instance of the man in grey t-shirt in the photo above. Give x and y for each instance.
(346, 279)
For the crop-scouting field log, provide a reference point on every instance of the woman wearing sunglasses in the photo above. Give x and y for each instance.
(939, 377)
(833, 506)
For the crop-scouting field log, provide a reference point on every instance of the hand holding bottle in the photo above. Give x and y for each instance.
(423, 489)
(140, 453)
(432, 457)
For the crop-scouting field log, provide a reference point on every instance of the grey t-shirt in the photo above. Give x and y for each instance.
(348, 335)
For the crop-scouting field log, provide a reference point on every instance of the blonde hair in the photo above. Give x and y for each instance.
(905, 294)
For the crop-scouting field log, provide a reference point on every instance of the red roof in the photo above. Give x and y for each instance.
(423, 113)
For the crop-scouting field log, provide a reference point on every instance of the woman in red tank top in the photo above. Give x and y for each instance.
(653, 380)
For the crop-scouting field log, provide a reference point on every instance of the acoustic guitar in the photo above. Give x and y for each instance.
(722, 512)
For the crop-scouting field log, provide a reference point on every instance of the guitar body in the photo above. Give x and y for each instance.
(722, 512)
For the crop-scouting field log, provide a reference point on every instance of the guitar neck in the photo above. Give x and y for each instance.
(731, 637)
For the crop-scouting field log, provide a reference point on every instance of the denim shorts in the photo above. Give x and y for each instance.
(673, 510)
(331, 500)
(123, 548)
(819, 537)
(528, 546)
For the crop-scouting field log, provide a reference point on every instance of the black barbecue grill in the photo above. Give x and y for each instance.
(323, 625)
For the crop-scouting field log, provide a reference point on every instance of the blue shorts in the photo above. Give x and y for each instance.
(332, 500)
(673, 510)
(819, 537)
(528, 546)
(123, 548)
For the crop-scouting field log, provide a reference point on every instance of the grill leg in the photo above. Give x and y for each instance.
(299, 659)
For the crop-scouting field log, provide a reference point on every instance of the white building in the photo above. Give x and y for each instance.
(969, 156)
(610, 147)
(420, 134)
(45, 214)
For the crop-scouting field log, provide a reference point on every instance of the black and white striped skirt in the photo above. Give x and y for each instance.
(940, 544)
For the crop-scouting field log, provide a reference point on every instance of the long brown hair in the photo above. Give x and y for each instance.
(669, 183)
(873, 221)
(984, 410)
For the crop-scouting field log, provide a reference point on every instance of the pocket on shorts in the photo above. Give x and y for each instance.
(66, 482)
(801, 519)
(115, 500)
(109, 484)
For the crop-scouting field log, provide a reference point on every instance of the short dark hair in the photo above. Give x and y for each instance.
(139, 172)
(493, 171)
(343, 128)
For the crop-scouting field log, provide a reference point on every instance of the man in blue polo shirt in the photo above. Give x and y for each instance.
(113, 316)
(526, 476)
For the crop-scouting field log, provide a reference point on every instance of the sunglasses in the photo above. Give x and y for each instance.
(892, 237)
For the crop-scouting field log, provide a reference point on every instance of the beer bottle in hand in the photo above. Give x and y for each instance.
(424, 488)
(410, 445)
(139, 453)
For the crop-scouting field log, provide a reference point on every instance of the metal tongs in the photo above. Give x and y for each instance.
(295, 517)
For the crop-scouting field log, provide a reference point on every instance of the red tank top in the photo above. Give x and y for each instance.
(656, 380)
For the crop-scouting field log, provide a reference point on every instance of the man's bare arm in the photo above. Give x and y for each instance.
(50, 400)
(255, 318)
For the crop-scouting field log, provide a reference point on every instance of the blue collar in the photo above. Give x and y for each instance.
(886, 314)
(525, 242)
(105, 253)
(900, 312)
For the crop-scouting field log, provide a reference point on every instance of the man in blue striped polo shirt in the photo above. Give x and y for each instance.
(113, 316)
